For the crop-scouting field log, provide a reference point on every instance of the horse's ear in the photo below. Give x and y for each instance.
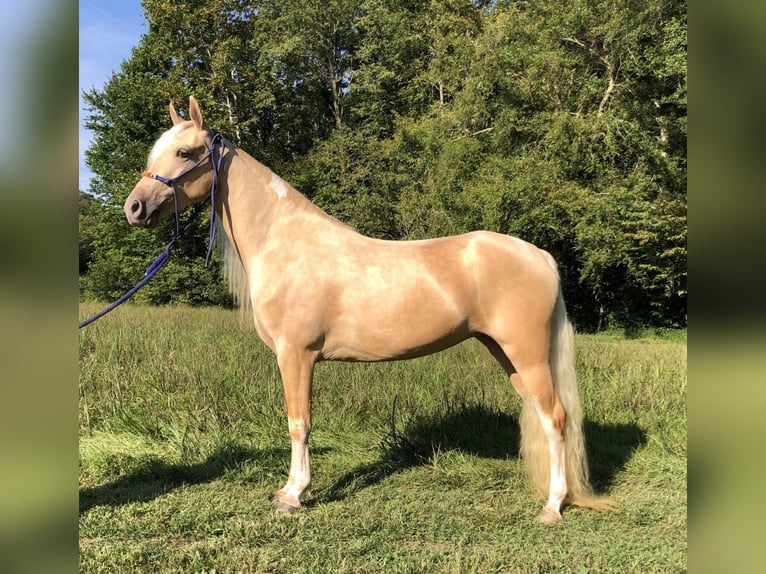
(195, 113)
(174, 115)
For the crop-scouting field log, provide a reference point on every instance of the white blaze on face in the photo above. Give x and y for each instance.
(164, 142)
(278, 186)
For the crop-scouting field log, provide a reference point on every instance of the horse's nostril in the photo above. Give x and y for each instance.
(136, 208)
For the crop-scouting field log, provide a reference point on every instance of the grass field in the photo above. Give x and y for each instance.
(183, 440)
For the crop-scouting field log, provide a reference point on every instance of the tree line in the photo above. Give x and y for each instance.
(561, 122)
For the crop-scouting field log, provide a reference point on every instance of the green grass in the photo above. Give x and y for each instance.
(183, 440)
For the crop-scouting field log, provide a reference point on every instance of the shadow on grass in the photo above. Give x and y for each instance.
(474, 430)
(482, 432)
(155, 477)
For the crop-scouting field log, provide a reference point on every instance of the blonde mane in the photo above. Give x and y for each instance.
(236, 279)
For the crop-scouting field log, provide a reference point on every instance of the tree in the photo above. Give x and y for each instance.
(87, 219)
(392, 53)
(561, 122)
(126, 117)
(312, 44)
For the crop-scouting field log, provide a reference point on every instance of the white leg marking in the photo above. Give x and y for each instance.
(558, 484)
(300, 470)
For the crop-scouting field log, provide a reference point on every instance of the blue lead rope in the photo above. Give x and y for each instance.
(163, 257)
(151, 271)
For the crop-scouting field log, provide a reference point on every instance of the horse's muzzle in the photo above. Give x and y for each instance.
(139, 213)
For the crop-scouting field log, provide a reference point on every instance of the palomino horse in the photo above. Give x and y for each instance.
(320, 291)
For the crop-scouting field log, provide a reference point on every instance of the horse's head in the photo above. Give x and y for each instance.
(176, 166)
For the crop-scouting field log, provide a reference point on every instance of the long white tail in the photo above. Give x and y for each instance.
(534, 444)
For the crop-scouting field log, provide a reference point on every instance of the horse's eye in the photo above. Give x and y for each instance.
(183, 154)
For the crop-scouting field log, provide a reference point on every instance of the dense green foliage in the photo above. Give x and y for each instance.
(563, 123)
(415, 467)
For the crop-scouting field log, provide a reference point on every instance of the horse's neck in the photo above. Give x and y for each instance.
(254, 199)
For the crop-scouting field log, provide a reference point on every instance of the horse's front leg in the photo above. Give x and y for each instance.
(297, 370)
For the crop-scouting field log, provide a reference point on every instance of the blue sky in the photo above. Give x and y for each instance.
(108, 32)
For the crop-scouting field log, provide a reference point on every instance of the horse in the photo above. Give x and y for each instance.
(320, 291)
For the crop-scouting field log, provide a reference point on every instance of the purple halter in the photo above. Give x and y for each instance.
(160, 261)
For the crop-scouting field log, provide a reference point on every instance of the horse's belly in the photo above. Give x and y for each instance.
(373, 348)
(396, 324)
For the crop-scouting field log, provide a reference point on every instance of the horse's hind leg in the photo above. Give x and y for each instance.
(544, 454)
(297, 369)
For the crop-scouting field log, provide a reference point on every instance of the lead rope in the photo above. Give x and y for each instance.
(163, 257)
(213, 187)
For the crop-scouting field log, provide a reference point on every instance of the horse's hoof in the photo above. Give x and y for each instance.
(284, 508)
(549, 516)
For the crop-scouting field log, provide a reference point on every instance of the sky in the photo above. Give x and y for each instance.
(108, 32)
